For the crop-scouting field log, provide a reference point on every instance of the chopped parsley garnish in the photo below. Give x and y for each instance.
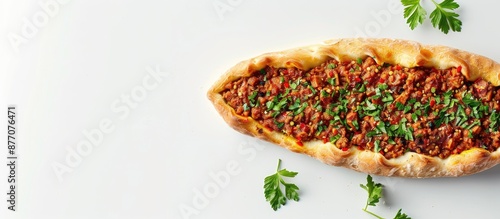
(301, 109)
(331, 66)
(252, 99)
(280, 104)
(331, 81)
(334, 138)
(359, 61)
(355, 124)
(494, 120)
(377, 146)
(294, 85)
(279, 124)
(295, 104)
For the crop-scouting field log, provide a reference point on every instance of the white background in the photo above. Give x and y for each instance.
(73, 70)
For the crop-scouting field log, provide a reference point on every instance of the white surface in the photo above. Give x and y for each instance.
(73, 72)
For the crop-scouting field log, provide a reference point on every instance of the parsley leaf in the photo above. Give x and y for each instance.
(374, 194)
(401, 215)
(272, 189)
(413, 12)
(444, 16)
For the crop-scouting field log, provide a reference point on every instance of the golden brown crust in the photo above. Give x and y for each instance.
(405, 53)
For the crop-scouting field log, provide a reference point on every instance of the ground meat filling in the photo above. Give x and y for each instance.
(385, 108)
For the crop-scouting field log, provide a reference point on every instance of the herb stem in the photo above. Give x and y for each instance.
(373, 214)
(437, 5)
(279, 165)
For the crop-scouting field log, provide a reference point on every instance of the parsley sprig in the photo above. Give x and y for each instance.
(272, 188)
(442, 17)
(374, 194)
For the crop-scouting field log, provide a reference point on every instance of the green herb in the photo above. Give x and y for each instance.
(476, 122)
(294, 85)
(377, 146)
(407, 109)
(400, 106)
(412, 101)
(301, 109)
(343, 105)
(331, 81)
(478, 109)
(442, 17)
(494, 120)
(320, 128)
(359, 61)
(312, 89)
(252, 100)
(414, 117)
(401, 215)
(388, 99)
(295, 105)
(369, 106)
(461, 116)
(418, 112)
(374, 194)
(331, 66)
(279, 105)
(427, 108)
(413, 12)
(383, 86)
(245, 107)
(334, 139)
(272, 189)
(361, 88)
(469, 100)
(381, 127)
(270, 104)
(323, 93)
(355, 124)
(318, 107)
(342, 92)
(275, 113)
(279, 124)
(402, 131)
(417, 105)
(441, 119)
(447, 99)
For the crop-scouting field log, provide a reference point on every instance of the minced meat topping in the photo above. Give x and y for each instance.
(385, 108)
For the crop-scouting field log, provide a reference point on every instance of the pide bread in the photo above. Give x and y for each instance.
(380, 106)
